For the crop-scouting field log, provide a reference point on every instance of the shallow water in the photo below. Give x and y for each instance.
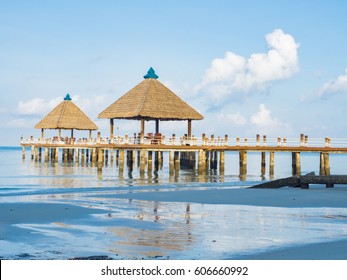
(98, 223)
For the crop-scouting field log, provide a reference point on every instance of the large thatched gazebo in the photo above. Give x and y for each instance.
(150, 100)
(66, 116)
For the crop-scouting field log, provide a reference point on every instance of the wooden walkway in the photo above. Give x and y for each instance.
(201, 153)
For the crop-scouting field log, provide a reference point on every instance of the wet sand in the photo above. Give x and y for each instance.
(22, 221)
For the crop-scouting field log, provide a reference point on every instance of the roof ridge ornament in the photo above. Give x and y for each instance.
(151, 74)
(67, 97)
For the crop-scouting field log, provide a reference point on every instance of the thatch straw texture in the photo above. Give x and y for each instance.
(67, 116)
(150, 100)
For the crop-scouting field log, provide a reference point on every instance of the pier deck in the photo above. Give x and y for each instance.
(200, 153)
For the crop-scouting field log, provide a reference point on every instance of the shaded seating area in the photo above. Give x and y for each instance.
(150, 100)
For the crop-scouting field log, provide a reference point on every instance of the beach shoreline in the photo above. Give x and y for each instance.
(25, 221)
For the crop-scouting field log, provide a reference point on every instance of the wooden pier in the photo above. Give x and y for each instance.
(202, 154)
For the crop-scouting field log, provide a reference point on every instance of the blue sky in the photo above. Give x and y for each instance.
(250, 67)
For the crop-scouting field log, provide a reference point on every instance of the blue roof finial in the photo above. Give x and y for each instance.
(151, 74)
(67, 97)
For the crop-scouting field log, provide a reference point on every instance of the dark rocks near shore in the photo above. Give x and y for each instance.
(303, 182)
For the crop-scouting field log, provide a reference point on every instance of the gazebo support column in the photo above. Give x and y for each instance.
(90, 135)
(111, 128)
(42, 133)
(157, 126)
(142, 127)
(189, 129)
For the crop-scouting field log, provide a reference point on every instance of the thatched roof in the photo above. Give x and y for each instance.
(66, 116)
(150, 100)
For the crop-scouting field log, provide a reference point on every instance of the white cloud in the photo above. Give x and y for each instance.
(235, 74)
(234, 119)
(40, 107)
(36, 106)
(93, 105)
(268, 124)
(339, 85)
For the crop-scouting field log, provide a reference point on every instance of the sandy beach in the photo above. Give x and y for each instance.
(24, 224)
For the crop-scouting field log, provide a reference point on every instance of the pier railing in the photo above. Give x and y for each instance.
(302, 141)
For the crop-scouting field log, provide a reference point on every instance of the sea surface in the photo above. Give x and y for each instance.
(98, 224)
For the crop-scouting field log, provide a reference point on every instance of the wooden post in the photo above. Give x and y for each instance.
(106, 156)
(207, 160)
(293, 164)
(243, 163)
(321, 165)
(177, 160)
(212, 160)
(77, 155)
(82, 156)
(90, 135)
(150, 162)
(142, 132)
(264, 140)
(156, 160)
(121, 160)
(298, 163)
(161, 153)
(200, 163)
(36, 153)
(52, 154)
(94, 155)
(326, 164)
(302, 140)
(203, 139)
(189, 129)
(142, 160)
(138, 160)
(32, 154)
(272, 164)
(23, 152)
(112, 156)
(56, 154)
(40, 153)
(65, 155)
(157, 126)
(100, 159)
(257, 140)
(171, 162)
(263, 163)
(111, 129)
(46, 154)
(221, 162)
(87, 155)
(246, 142)
(226, 140)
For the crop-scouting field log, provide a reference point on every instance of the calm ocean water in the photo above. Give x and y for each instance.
(127, 229)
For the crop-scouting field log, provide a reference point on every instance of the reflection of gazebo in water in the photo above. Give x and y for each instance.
(66, 116)
(150, 100)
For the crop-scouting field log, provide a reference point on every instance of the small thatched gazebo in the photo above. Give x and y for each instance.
(150, 100)
(66, 116)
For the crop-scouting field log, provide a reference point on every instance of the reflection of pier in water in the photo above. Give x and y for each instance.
(205, 155)
(154, 242)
